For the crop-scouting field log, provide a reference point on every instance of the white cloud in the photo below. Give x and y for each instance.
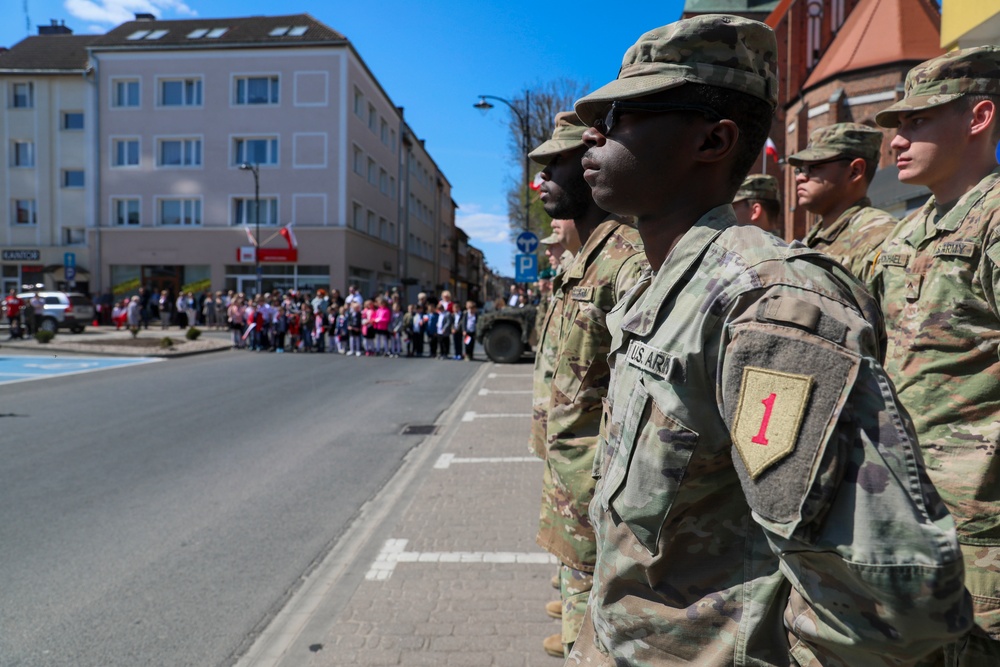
(481, 226)
(113, 12)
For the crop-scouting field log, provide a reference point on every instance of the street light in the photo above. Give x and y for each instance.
(524, 120)
(255, 170)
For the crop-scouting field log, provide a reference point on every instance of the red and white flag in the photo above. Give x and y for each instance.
(253, 241)
(771, 150)
(536, 184)
(289, 236)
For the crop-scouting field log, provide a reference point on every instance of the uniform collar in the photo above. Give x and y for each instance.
(689, 249)
(830, 234)
(593, 244)
(951, 220)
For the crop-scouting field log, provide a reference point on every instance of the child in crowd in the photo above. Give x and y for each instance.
(280, 329)
(355, 324)
(396, 330)
(368, 327)
(340, 330)
(380, 321)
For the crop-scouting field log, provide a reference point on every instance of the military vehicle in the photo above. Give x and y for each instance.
(506, 333)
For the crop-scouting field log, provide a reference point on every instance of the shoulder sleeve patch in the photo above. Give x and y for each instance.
(994, 253)
(809, 379)
(768, 416)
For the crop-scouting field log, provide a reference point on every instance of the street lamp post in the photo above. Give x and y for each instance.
(524, 120)
(255, 170)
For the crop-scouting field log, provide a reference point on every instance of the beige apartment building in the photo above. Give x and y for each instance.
(203, 137)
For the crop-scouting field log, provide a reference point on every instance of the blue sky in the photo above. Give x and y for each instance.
(434, 58)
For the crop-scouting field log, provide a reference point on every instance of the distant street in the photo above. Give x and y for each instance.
(161, 514)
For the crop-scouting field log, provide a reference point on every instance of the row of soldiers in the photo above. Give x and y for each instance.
(761, 453)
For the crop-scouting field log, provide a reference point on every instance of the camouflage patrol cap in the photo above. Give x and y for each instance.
(712, 49)
(567, 135)
(550, 239)
(973, 71)
(840, 140)
(758, 186)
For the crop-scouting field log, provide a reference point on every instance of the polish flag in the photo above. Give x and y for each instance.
(250, 235)
(536, 184)
(289, 236)
(771, 150)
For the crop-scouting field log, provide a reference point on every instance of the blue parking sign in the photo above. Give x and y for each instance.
(526, 268)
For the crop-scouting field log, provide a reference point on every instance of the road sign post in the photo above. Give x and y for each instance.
(526, 268)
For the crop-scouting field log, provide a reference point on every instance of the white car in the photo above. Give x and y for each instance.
(63, 310)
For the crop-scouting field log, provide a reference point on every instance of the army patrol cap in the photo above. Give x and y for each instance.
(973, 71)
(840, 140)
(567, 135)
(758, 186)
(712, 49)
(550, 239)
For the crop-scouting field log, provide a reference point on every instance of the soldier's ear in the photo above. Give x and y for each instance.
(984, 118)
(718, 140)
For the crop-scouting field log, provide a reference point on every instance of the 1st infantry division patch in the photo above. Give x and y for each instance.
(769, 414)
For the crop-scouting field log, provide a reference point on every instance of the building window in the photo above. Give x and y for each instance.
(23, 154)
(383, 229)
(372, 172)
(359, 104)
(72, 178)
(392, 187)
(372, 118)
(357, 220)
(244, 211)
(372, 229)
(257, 90)
(125, 93)
(359, 161)
(126, 212)
(74, 236)
(262, 150)
(22, 95)
(179, 153)
(180, 212)
(383, 182)
(25, 212)
(392, 140)
(384, 132)
(72, 120)
(125, 153)
(180, 93)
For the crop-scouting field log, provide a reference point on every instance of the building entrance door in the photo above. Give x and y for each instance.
(160, 278)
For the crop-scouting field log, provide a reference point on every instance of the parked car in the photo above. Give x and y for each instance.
(64, 310)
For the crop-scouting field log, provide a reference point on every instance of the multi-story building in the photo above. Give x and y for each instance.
(45, 175)
(205, 137)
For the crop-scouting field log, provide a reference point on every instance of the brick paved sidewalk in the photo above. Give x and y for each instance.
(452, 576)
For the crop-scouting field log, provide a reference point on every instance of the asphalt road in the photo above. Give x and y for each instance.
(162, 514)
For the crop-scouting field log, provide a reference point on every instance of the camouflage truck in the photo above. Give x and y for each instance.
(506, 333)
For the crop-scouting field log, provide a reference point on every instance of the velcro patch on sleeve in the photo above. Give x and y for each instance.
(582, 294)
(994, 253)
(654, 360)
(768, 417)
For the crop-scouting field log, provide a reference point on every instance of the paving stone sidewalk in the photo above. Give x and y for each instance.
(456, 578)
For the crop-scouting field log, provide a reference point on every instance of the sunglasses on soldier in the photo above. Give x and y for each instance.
(617, 108)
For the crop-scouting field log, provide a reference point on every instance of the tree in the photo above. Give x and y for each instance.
(547, 99)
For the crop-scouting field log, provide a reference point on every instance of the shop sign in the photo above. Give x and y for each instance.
(22, 255)
(245, 254)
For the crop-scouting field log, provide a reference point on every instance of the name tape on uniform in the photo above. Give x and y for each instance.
(955, 248)
(654, 360)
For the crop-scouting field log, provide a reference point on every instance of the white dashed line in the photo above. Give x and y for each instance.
(445, 460)
(507, 375)
(393, 552)
(471, 415)
(484, 391)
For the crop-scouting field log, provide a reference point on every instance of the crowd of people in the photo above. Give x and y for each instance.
(325, 322)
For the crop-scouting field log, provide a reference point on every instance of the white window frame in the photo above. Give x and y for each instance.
(196, 210)
(372, 118)
(29, 97)
(357, 217)
(114, 152)
(116, 220)
(32, 209)
(316, 136)
(359, 103)
(273, 150)
(273, 89)
(198, 91)
(115, 102)
(17, 161)
(241, 210)
(193, 145)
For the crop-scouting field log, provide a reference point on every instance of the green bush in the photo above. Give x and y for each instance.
(134, 331)
(44, 336)
(193, 333)
(166, 342)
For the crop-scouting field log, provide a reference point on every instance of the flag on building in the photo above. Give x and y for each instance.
(289, 236)
(250, 235)
(771, 150)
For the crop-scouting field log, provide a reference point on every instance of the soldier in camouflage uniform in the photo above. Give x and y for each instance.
(758, 203)
(761, 498)
(832, 176)
(606, 266)
(938, 279)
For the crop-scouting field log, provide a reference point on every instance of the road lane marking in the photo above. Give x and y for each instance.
(28, 368)
(508, 375)
(445, 460)
(393, 552)
(484, 391)
(472, 415)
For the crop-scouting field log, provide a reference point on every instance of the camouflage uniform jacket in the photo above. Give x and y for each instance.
(854, 238)
(606, 267)
(939, 282)
(545, 359)
(762, 499)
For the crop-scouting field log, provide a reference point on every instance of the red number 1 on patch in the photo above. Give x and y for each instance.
(760, 438)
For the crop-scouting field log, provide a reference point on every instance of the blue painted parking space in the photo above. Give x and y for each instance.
(23, 369)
